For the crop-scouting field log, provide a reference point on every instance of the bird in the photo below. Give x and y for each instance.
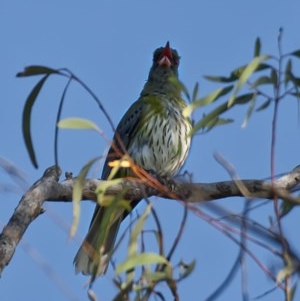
(154, 133)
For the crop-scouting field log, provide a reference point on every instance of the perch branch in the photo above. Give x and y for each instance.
(49, 189)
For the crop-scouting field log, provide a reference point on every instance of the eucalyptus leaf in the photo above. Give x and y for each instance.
(36, 70)
(78, 124)
(263, 80)
(249, 112)
(186, 269)
(136, 231)
(274, 77)
(243, 99)
(209, 117)
(141, 259)
(217, 122)
(195, 92)
(245, 75)
(26, 120)
(257, 47)
(77, 194)
(288, 72)
(264, 105)
(296, 53)
(221, 79)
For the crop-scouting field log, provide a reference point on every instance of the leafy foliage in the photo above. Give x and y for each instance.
(247, 86)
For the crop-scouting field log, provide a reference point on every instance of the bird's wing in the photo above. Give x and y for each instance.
(124, 133)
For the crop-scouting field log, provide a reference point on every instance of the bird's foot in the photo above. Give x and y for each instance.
(166, 181)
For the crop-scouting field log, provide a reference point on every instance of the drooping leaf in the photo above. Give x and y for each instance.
(263, 80)
(296, 94)
(174, 80)
(78, 124)
(77, 194)
(195, 92)
(257, 47)
(26, 120)
(264, 105)
(238, 71)
(186, 269)
(292, 291)
(133, 246)
(212, 119)
(141, 259)
(209, 117)
(154, 277)
(245, 74)
(285, 208)
(285, 272)
(288, 72)
(212, 97)
(217, 122)
(101, 190)
(296, 53)
(243, 99)
(112, 212)
(222, 79)
(295, 80)
(249, 112)
(274, 77)
(36, 70)
(134, 258)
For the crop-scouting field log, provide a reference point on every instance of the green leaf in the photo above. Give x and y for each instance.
(133, 257)
(186, 269)
(296, 53)
(217, 122)
(179, 85)
(221, 79)
(296, 94)
(249, 112)
(77, 194)
(209, 118)
(264, 105)
(238, 71)
(295, 80)
(243, 99)
(133, 245)
(274, 77)
(141, 259)
(212, 97)
(245, 74)
(288, 72)
(36, 70)
(101, 190)
(285, 208)
(195, 92)
(263, 80)
(78, 124)
(212, 119)
(285, 272)
(292, 292)
(154, 277)
(257, 47)
(26, 120)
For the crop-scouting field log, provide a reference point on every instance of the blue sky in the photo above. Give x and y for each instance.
(109, 45)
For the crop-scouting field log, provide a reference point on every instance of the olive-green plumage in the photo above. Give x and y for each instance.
(155, 134)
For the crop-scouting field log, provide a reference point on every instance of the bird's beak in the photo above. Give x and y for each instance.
(166, 59)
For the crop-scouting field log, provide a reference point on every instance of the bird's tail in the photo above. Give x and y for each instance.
(95, 252)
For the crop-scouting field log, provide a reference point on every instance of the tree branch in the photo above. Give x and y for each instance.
(48, 189)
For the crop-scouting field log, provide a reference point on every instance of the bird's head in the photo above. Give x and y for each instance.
(163, 70)
(166, 59)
